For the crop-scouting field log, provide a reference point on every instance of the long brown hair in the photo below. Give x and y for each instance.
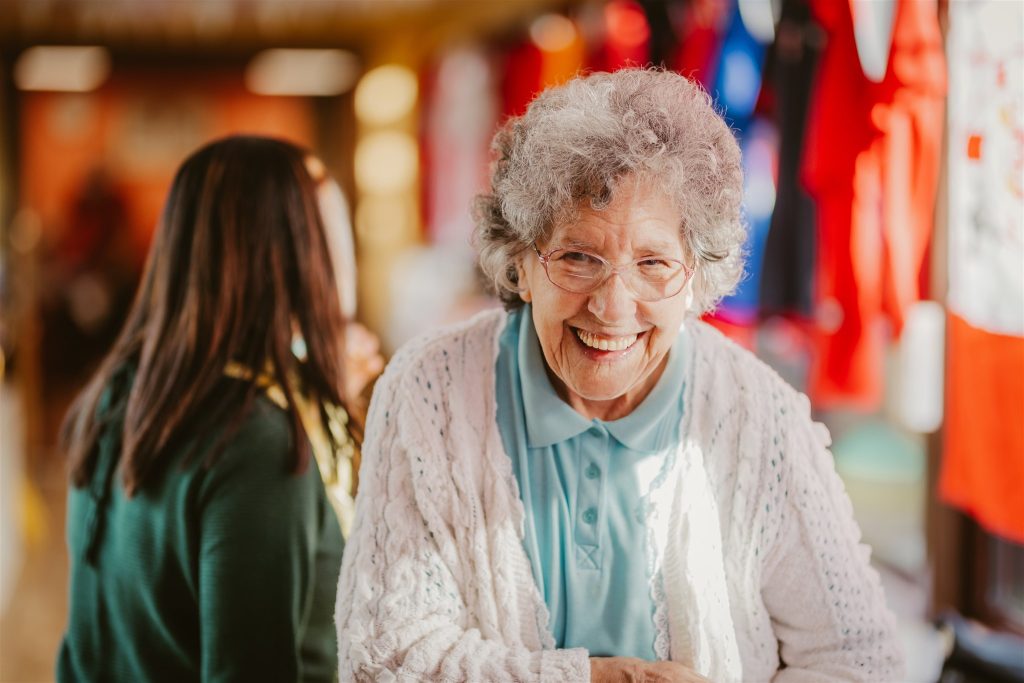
(238, 262)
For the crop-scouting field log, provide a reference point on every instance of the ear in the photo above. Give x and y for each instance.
(689, 293)
(524, 285)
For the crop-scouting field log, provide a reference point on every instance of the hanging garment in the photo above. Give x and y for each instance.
(461, 112)
(700, 39)
(871, 165)
(759, 145)
(787, 275)
(983, 450)
(627, 37)
(552, 54)
(736, 89)
(663, 41)
(521, 78)
(738, 81)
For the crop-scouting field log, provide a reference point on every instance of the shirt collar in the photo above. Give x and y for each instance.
(654, 423)
(550, 420)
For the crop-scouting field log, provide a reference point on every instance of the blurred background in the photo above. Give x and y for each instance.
(884, 150)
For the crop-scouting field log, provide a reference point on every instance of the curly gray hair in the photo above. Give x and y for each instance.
(578, 140)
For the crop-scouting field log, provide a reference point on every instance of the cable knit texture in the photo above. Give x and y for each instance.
(757, 570)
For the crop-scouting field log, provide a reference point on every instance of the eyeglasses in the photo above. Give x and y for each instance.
(650, 278)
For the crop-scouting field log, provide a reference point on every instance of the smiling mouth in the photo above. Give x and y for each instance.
(605, 343)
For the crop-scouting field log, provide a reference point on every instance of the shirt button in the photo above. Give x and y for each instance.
(593, 471)
(590, 516)
(596, 431)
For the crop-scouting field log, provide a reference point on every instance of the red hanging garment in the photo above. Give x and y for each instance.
(700, 40)
(521, 78)
(871, 164)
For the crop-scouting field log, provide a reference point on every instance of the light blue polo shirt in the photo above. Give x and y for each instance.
(582, 483)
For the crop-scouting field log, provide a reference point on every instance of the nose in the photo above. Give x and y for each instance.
(612, 301)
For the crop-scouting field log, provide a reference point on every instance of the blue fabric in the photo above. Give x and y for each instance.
(582, 484)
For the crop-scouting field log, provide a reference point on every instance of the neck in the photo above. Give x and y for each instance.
(606, 411)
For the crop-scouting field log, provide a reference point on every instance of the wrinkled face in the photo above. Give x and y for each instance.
(608, 382)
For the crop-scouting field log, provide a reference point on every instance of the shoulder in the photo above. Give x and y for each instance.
(436, 396)
(734, 374)
(265, 428)
(460, 351)
(260, 448)
(759, 426)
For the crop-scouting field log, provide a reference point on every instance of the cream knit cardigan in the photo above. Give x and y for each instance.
(756, 569)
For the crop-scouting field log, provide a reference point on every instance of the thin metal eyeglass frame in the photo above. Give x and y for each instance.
(611, 270)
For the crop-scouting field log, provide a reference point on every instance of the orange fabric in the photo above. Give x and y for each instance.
(558, 66)
(983, 451)
(974, 147)
(871, 163)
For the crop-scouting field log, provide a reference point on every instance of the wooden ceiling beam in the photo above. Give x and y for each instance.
(241, 26)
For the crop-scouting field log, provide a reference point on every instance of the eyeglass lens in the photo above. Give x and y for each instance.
(650, 278)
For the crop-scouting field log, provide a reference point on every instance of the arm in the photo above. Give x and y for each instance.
(825, 601)
(259, 534)
(407, 595)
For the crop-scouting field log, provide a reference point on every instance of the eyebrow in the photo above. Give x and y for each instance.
(578, 244)
(659, 248)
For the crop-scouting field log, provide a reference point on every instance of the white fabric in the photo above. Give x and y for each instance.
(986, 178)
(338, 228)
(758, 553)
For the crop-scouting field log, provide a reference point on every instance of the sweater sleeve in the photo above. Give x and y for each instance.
(261, 561)
(405, 605)
(825, 601)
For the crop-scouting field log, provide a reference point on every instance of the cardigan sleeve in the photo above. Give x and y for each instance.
(825, 601)
(405, 598)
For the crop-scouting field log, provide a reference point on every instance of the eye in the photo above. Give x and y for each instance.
(578, 257)
(655, 268)
(575, 265)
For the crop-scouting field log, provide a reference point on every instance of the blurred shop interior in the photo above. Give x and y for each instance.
(883, 144)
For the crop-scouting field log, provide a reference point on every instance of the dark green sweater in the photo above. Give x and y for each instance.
(226, 573)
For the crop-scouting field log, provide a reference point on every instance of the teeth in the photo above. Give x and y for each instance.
(604, 344)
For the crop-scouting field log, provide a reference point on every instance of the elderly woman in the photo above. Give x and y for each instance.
(593, 483)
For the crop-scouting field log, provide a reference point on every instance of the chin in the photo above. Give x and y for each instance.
(600, 393)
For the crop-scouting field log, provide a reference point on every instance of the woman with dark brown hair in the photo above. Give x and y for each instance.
(203, 543)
